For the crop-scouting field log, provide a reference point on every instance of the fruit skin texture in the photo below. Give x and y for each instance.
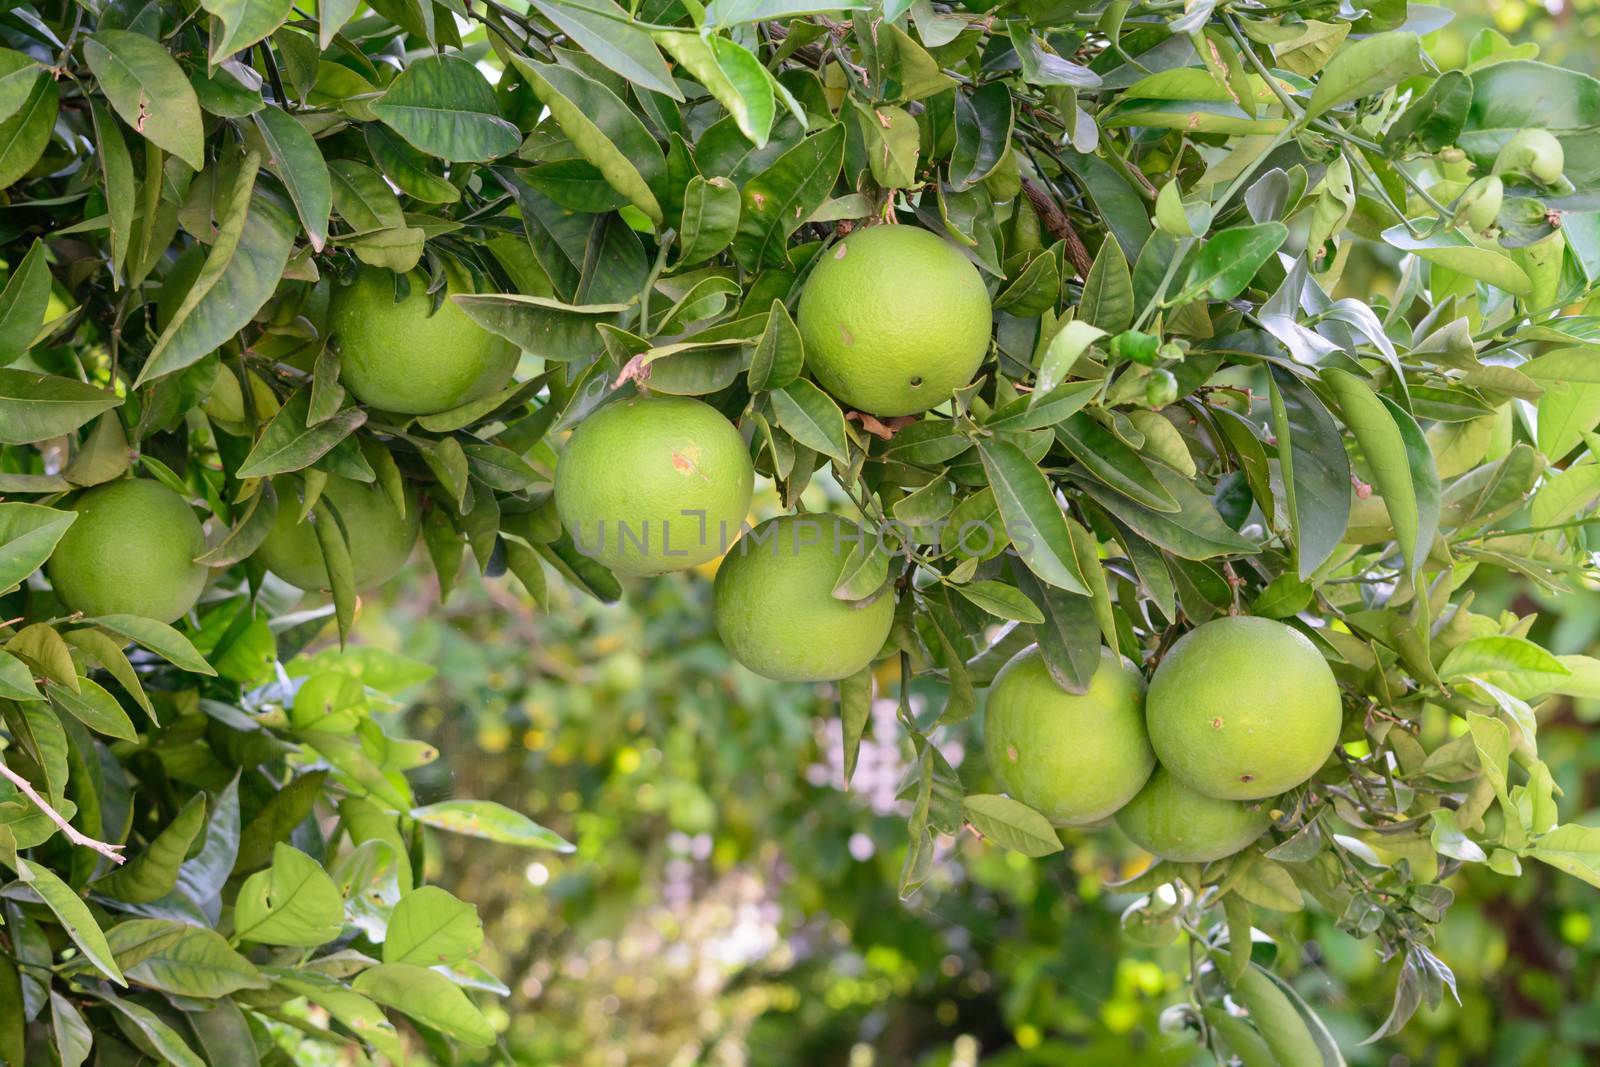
(380, 538)
(397, 357)
(1177, 823)
(633, 468)
(774, 603)
(130, 552)
(1076, 758)
(1243, 708)
(894, 320)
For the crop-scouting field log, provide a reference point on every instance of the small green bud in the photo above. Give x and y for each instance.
(1161, 388)
(1135, 345)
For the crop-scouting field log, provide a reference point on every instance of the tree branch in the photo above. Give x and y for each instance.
(1055, 220)
(111, 852)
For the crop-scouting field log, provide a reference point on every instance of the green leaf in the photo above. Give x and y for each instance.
(148, 89)
(28, 534)
(94, 707)
(37, 407)
(428, 997)
(1499, 654)
(175, 957)
(1449, 249)
(411, 170)
(23, 136)
(783, 196)
(244, 23)
(1316, 470)
(288, 444)
(1002, 600)
(297, 160)
(1368, 66)
(1228, 260)
(158, 637)
(1011, 823)
(74, 916)
(74, 1040)
(1399, 458)
(116, 170)
(855, 709)
(166, 1041)
(362, 198)
(780, 355)
(1107, 300)
(16, 680)
(240, 275)
(732, 75)
(23, 303)
(812, 418)
(1570, 404)
(277, 818)
(490, 821)
(603, 129)
(613, 41)
(1571, 848)
(983, 133)
(1284, 596)
(1032, 517)
(547, 328)
(430, 927)
(724, 13)
(1194, 531)
(293, 902)
(153, 873)
(444, 106)
(18, 76)
(1105, 455)
(710, 218)
(1565, 494)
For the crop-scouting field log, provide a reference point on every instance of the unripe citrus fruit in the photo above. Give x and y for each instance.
(405, 357)
(775, 607)
(131, 551)
(380, 538)
(1243, 708)
(1076, 758)
(654, 484)
(894, 320)
(1177, 823)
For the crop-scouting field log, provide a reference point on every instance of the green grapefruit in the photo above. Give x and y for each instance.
(894, 320)
(774, 603)
(403, 356)
(654, 484)
(1075, 757)
(1177, 823)
(1243, 708)
(380, 538)
(131, 551)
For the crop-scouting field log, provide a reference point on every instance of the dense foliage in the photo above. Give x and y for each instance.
(1195, 404)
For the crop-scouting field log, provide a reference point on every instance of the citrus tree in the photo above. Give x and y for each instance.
(1172, 368)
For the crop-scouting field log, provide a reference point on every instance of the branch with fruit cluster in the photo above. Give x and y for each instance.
(1165, 371)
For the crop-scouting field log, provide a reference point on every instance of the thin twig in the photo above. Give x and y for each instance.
(111, 852)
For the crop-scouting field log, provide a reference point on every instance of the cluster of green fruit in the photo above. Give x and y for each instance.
(654, 484)
(135, 546)
(1239, 710)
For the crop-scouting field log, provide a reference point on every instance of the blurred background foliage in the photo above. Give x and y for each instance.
(730, 904)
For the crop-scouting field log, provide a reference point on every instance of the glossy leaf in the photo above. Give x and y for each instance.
(149, 91)
(445, 107)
